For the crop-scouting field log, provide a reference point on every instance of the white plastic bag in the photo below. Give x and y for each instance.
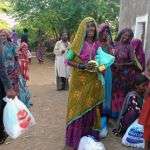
(134, 136)
(88, 143)
(17, 118)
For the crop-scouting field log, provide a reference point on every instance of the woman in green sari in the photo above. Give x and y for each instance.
(86, 89)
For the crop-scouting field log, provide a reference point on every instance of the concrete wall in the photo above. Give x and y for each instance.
(129, 10)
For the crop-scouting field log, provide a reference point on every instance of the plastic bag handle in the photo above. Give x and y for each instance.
(7, 100)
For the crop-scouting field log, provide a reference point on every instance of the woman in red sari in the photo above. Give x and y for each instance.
(145, 119)
(24, 60)
(145, 113)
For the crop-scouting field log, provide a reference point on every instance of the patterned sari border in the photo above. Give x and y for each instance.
(70, 122)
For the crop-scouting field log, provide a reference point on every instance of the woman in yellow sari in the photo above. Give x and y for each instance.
(86, 89)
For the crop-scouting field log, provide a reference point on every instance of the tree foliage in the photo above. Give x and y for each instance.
(4, 8)
(4, 25)
(53, 15)
(50, 17)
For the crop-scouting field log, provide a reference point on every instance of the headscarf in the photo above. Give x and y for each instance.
(139, 52)
(102, 27)
(24, 45)
(124, 31)
(7, 33)
(23, 51)
(80, 35)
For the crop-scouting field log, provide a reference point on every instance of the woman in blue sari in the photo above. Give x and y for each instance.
(5, 90)
(107, 45)
(11, 64)
(105, 42)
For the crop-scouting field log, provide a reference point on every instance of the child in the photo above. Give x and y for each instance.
(132, 105)
(40, 52)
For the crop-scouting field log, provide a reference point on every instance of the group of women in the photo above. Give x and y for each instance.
(14, 62)
(99, 93)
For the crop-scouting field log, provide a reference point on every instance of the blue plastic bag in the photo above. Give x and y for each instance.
(103, 58)
(134, 136)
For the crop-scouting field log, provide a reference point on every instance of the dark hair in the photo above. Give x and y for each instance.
(23, 39)
(139, 79)
(102, 28)
(62, 32)
(117, 39)
(25, 30)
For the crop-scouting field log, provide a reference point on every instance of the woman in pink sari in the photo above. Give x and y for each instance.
(139, 52)
(24, 60)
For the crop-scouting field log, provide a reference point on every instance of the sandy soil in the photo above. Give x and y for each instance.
(49, 111)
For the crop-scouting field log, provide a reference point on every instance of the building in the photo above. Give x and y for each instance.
(135, 14)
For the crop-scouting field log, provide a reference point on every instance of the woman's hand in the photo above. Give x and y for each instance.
(11, 93)
(102, 68)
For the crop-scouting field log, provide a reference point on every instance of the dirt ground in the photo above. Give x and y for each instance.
(49, 110)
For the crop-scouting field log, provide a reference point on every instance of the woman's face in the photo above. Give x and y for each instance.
(3, 37)
(24, 48)
(104, 35)
(125, 37)
(142, 87)
(90, 30)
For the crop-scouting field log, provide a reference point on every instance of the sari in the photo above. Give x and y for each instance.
(139, 52)
(86, 92)
(4, 86)
(145, 118)
(11, 64)
(123, 76)
(13, 71)
(24, 60)
(107, 47)
(130, 112)
(40, 54)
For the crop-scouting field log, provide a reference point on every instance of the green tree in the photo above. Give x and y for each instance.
(4, 8)
(51, 16)
(4, 25)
